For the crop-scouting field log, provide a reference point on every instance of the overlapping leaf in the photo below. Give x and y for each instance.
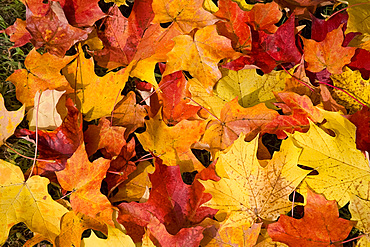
(329, 228)
(86, 197)
(39, 75)
(248, 188)
(8, 120)
(28, 202)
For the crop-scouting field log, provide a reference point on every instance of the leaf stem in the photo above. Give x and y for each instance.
(143, 159)
(37, 135)
(67, 194)
(352, 239)
(297, 79)
(349, 6)
(342, 90)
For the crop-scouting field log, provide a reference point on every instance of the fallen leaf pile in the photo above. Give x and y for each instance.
(186, 79)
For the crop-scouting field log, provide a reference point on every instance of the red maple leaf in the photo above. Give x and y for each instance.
(171, 201)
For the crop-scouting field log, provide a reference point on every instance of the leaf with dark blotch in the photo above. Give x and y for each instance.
(53, 31)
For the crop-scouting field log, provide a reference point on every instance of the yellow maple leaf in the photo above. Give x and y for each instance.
(358, 17)
(353, 83)
(91, 87)
(9, 120)
(249, 87)
(172, 144)
(185, 15)
(136, 186)
(342, 168)
(72, 226)
(250, 189)
(27, 202)
(203, 53)
(209, 100)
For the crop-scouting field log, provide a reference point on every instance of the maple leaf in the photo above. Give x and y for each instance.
(103, 135)
(352, 83)
(170, 143)
(82, 13)
(80, 74)
(360, 211)
(299, 110)
(333, 158)
(121, 166)
(47, 115)
(115, 238)
(264, 16)
(18, 33)
(249, 189)
(122, 36)
(268, 50)
(185, 15)
(171, 201)
(9, 121)
(208, 100)
(235, 119)
(28, 202)
(249, 87)
(175, 99)
(85, 185)
(204, 51)
(72, 226)
(40, 74)
(53, 31)
(136, 186)
(234, 231)
(236, 27)
(320, 225)
(281, 44)
(57, 145)
(329, 53)
(129, 114)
